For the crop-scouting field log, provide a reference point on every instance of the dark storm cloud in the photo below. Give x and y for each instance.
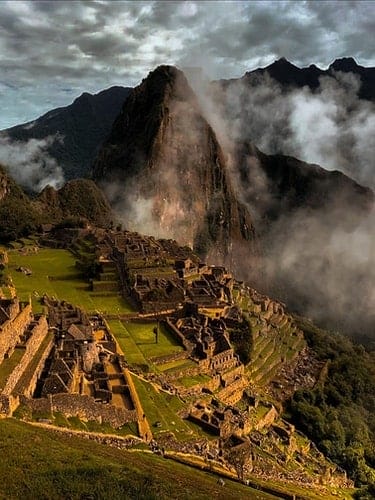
(87, 46)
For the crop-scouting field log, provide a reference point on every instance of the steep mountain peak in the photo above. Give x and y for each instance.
(282, 63)
(165, 83)
(166, 167)
(346, 64)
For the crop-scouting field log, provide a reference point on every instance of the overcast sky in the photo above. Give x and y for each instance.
(52, 51)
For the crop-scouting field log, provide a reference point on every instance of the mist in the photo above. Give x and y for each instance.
(29, 163)
(321, 267)
(330, 126)
(319, 260)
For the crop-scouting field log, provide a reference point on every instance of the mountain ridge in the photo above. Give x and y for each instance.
(163, 150)
(79, 129)
(288, 74)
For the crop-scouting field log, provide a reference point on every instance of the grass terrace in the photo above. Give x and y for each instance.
(162, 407)
(54, 273)
(137, 341)
(192, 381)
(177, 365)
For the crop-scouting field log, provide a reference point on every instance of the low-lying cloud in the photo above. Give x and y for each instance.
(29, 163)
(312, 260)
(330, 126)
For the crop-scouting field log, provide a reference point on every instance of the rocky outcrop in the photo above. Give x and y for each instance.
(164, 155)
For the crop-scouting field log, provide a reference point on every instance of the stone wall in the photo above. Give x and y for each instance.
(11, 330)
(31, 386)
(178, 334)
(83, 407)
(268, 419)
(37, 336)
(159, 360)
(8, 404)
(143, 426)
(232, 375)
(212, 385)
(233, 392)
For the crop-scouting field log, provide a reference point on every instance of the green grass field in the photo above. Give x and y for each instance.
(54, 272)
(137, 341)
(55, 466)
(162, 407)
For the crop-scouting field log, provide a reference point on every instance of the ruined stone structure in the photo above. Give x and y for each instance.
(14, 319)
(21, 335)
(223, 421)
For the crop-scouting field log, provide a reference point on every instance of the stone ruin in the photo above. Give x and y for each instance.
(79, 371)
(220, 420)
(21, 334)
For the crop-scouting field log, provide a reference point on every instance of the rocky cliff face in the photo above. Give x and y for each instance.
(166, 170)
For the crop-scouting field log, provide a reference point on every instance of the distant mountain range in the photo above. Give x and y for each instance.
(87, 122)
(290, 76)
(166, 172)
(82, 126)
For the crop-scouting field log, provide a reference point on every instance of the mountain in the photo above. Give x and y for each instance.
(166, 171)
(289, 75)
(17, 214)
(290, 184)
(77, 198)
(21, 215)
(315, 228)
(80, 128)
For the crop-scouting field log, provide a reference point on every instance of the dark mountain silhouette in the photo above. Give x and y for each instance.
(164, 155)
(290, 184)
(289, 75)
(81, 127)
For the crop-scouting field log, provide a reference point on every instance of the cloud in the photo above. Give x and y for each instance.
(87, 46)
(30, 164)
(320, 262)
(324, 270)
(329, 126)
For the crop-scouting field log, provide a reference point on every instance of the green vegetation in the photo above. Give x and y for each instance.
(17, 215)
(131, 350)
(82, 197)
(191, 381)
(54, 272)
(339, 413)
(77, 199)
(162, 407)
(177, 365)
(137, 341)
(55, 466)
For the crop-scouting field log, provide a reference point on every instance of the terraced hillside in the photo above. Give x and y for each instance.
(197, 399)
